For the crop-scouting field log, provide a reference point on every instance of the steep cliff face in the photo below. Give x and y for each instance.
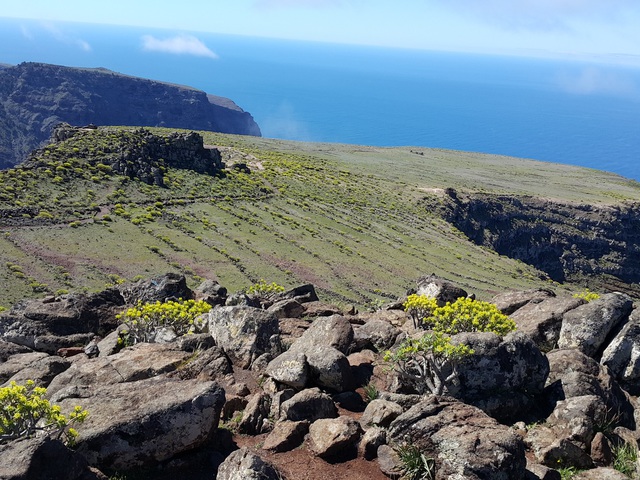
(567, 241)
(35, 97)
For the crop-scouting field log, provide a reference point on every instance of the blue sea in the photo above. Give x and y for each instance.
(574, 112)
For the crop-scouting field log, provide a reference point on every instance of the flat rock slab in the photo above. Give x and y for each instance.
(137, 424)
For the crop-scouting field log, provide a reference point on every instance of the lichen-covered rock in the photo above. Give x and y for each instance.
(376, 334)
(372, 439)
(37, 366)
(334, 331)
(509, 302)
(330, 436)
(286, 436)
(622, 355)
(587, 326)
(463, 440)
(244, 465)
(329, 368)
(442, 290)
(502, 376)
(290, 368)
(162, 418)
(255, 418)
(380, 413)
(244, 333)
(310, 404)
(170, 286)
(542, 320)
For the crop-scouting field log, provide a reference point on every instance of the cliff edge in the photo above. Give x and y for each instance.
(34, 97)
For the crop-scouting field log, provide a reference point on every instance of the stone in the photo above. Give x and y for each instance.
(380, 413)
(442, 290)
(42, 458)
(463, 440)
(287, 308)
(286, 436)
(372, 439)
(334, 331)
(244, 465)
(542, 320)
(170, 286)
(8, 348)
(310, 404)
(509, 302)
(502, 376)
(601, 473)
(255, 416)
(601, 452)
(244, 333)
(536, 471)
(389, 462)
(162, 418)
(302, 294)
(321, 309)
(588, 326)
(36, 366)
(290, 368)
(331, 436)
(376, 334)
(622, 355)
(211, 292)
(551, 450)
(328, 368)
(143, 360)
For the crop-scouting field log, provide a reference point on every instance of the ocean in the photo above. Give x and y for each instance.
(572, 112)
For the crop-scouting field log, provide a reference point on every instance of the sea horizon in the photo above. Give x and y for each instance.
(564, 111)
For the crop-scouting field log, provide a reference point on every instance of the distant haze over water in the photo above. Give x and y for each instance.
(577, 113)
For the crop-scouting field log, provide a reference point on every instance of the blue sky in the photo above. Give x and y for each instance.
(604, 29)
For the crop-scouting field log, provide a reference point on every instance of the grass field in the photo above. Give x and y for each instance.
(348, 219)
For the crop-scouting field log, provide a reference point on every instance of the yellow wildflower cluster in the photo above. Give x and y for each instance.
(468, 315)
(587, 295)
(24, 411)
(145, 319)
(420, 307)
(264, 289)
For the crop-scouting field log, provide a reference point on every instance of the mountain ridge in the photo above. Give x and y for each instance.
(34, 97)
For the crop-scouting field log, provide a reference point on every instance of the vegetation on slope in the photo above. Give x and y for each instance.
(348, 219)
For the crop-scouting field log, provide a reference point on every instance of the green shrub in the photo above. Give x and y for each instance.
(587, 295)
(24, 411)
(143, 321)
(468, 315)
(625, 459)
(415, 465)
(264, 289)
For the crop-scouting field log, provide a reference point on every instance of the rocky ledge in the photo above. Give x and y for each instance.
(289, 375)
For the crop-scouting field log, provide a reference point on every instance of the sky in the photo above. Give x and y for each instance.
(607, 30)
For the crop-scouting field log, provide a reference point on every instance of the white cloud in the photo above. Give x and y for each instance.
(593, 80)
(179, 45)
(26, 33)
(63, 37)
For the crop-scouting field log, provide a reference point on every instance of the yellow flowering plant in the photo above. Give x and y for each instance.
(24, 411)
(587, 295)
(143, 321)
(469, 315)
(264, 289)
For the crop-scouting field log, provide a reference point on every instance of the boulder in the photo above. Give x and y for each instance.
(287, 308)
(211, 292)
(542, 320)
(43, 458)
(442, 290)
(7, 349)
(302, 294)
(601, 473)
(552, 450)
(502, 376)
(143, 360)
(310, 404)
(536, 471)
(244, 333)
(286, 436)
(389, 462)
(509, 302)
(588, 326)
(372, 439)
(463, 441)
(255, 418)
(380, 413)
(244, 465)
(290, 368)
(170, 286)
(162, 418)
(376, 334)
(36, 366)
(334, 331)
(331, 436)
(328, 368)
(601, 451)
(622, 355)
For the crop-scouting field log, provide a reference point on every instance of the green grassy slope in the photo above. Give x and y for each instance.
(345, 218)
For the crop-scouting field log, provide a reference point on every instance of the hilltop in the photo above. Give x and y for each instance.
(105, 205)
(34, 97)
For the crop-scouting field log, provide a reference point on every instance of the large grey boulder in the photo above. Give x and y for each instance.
(376, 334)
(143, 360)
(290, 368)
(244, 465)
(442, 290)
(170, 286)
(502, 376)
(244, 333)
(542, 320)
(509, 302)
(380, 413)
(331, 436)
(286, 436)
(622, 355)
(463, 441)
(310, 404)
(42, 458)
(37, 366)
(334, 331)
(138, 424)
(7, 349)
(588, 326)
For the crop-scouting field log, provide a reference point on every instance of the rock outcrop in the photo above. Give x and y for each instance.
(36, 97)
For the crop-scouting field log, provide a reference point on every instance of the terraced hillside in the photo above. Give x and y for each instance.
(360, 223)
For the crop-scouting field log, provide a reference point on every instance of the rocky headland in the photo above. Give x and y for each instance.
(35, 97)
(283, 385)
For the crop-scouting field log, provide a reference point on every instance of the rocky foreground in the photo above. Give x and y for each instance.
(557, 395)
